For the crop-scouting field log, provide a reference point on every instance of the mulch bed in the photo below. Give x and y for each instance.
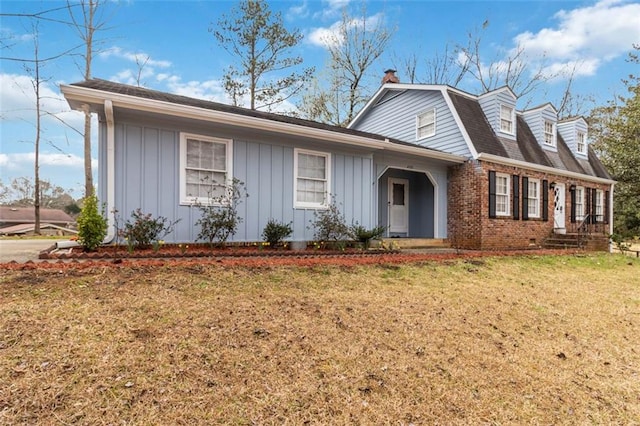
(249, 257)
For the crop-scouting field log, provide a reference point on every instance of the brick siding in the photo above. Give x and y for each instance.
(469, 225)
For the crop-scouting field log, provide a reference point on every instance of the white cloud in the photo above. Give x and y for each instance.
(298, 12)
(331, 9)
(332, 35)
(137, 58)
(18, 101)
(20, 160)
(588, 36)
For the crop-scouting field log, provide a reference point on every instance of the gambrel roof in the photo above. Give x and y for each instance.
(483, 142)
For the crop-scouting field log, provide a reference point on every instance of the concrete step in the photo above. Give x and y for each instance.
(416, 243)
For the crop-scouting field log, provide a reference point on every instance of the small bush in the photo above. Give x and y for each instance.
(143, 231)
(92, 225)
(329, 225)
(275, 232)
(219, 218)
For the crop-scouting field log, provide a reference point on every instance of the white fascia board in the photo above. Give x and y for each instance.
(545, 169)
(93, 96)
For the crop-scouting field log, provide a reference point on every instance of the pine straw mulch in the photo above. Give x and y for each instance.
(500, 340)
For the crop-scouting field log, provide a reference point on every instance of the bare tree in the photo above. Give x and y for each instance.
(353, 49)
(441, 68)
(89, 21)
(33, 68)
(261, 45)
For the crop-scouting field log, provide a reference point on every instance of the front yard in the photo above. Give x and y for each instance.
(500, 340)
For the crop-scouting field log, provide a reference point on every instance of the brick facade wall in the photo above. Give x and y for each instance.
(469, 225)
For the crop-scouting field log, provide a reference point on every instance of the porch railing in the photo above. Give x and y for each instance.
(587, 227)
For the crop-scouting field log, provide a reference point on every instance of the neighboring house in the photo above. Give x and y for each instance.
(423, 161)
(21, 221)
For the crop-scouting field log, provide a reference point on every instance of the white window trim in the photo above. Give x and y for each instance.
(553, 133)
(307, 205)
(580, 202)
(584, 142)
(513, 120)
(529, 198)
(189, 200)
(507, 212)
(600, 213)
(418, 127)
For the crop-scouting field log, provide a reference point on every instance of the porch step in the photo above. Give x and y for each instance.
(574, 241)
(417, 243)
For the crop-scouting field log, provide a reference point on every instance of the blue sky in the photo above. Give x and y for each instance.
(182, 56)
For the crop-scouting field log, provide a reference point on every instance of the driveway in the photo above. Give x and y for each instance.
(22, 250)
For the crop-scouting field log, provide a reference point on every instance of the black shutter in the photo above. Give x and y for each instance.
(587, 204)
(492, 194)
(573, 204)
(545, 200)
(525, 198)
(606, 207)
(594, 196)
(516, 197)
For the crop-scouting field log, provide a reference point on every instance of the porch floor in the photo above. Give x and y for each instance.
(417, 243)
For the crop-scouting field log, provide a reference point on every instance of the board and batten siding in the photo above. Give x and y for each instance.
(147, 176)
(395, 117)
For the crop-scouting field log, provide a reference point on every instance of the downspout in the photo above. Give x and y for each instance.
(111, 172)
(610, 213)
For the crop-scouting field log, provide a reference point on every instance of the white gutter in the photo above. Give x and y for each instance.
(545, 169)
(85, 95)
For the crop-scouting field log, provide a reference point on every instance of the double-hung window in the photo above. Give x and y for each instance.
(311, 181)
(502, 194)
(426, 124)
(205, 169)
(579, 203)
(533, 198)
(507, 117)
(581, 142)
(549, 133)
(599, 206)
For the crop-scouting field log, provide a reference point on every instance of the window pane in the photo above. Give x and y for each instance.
(311, 166)
(398, 194)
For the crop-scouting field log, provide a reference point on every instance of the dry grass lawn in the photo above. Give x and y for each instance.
(515, 340)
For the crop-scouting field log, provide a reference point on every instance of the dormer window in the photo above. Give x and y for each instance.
(426, 124)
(581, 143)
(507, 117)
(549, 133)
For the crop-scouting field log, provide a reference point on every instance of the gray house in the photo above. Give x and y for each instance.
(158, 151)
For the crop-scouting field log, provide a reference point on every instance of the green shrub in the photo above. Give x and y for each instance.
(364, 235)
(143, 230)
(275, 232)
(92, 225)
(329, 225)
(219, 218)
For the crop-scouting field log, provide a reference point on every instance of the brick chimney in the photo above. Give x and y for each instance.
(390, 77)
